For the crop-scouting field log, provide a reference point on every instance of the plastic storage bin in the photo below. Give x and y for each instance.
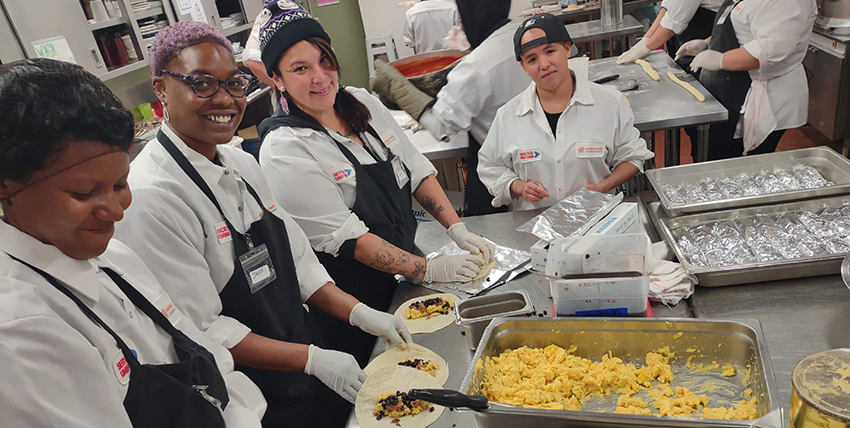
(599, 275)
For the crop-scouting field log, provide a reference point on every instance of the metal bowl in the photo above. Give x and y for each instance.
(431, 83)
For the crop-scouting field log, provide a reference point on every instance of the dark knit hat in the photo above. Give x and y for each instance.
(554, 30)
(284, 23)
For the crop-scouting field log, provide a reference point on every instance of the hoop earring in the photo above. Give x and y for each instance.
(165, 114)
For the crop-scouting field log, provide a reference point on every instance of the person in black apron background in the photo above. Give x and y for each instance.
(678, 22)
(476, 88)
(342, 167)
(752, 64)
(82, 346)
(231, 258)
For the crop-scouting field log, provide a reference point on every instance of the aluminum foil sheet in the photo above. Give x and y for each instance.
(572, 216)
(764, 182)
(766, 238)
(507, 259)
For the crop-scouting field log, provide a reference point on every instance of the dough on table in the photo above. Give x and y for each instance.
(426, 324)
(647, 67)
(394, 355)
(690, 88)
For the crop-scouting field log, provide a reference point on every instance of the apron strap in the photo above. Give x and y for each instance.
(128, 354)
(350, 156)
(255, 195)
(143, 304)
(193, 174)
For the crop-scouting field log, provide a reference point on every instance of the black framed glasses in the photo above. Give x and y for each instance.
(205, 86)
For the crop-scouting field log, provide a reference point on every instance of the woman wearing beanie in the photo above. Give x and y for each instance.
(234, 262)
(345, 171)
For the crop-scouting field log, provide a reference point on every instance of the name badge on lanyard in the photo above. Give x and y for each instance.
(400, 174)
(258, 268)
(725, 15)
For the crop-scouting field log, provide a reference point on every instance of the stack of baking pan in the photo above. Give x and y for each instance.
(757, 218)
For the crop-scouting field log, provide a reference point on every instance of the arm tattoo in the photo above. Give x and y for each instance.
(430, 205)
(389, 258)
(418, 270)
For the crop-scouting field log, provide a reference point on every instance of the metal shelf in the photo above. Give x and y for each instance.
(108, 23)
(124, 70)
(237, 29)
(154, 11)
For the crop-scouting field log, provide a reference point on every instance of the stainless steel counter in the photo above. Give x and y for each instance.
(593, 13)
(664, 105)
(448, 342)
(799, 317)
(589, 31)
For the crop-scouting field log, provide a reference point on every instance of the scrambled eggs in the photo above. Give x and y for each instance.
(554, 378)
(428, 308)
(426, 366)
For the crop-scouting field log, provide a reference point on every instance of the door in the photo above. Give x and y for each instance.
(252, 8)
(36, 20)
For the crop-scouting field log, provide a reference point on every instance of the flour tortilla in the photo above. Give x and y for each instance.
(485, 270)
(427, 325)
(392, 379)
(391, 357)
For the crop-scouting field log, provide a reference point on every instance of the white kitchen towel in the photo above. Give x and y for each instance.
(669, 283)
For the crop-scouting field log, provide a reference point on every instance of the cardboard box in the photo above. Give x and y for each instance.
(539, 254)
(623, 219)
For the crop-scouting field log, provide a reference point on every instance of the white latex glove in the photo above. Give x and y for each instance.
(691, 48)
(709, 60)
(388, 327)
(460, 268)
(638, 51)
(338, 370)
(471, 242)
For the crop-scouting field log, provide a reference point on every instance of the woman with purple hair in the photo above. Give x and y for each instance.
(241, 269)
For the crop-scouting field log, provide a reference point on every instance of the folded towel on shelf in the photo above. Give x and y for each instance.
(669, 283)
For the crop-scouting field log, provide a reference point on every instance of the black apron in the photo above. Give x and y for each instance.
(387, 211)
(729, 87)
(186, 394)
(700, 27)
(477, 200)
(273, 311)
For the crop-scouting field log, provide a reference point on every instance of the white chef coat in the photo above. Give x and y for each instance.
(60, 368)
(777, 33)
(482, 82)
(317, 185)
(172, 226)
(428, 23)
(680, 12)
(252, 50)
(596, 133)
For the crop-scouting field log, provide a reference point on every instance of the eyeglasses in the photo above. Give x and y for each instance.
(205, 86)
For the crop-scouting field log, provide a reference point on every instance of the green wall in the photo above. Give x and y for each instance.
(343, 23)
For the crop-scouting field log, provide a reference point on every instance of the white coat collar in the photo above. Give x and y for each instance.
(78, 275)
(528, 101)
(210, 172)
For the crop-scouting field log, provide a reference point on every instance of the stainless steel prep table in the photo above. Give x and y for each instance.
(592, 31)
(448, 342)
(593, 12)
(664, 105)
(799, 317)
